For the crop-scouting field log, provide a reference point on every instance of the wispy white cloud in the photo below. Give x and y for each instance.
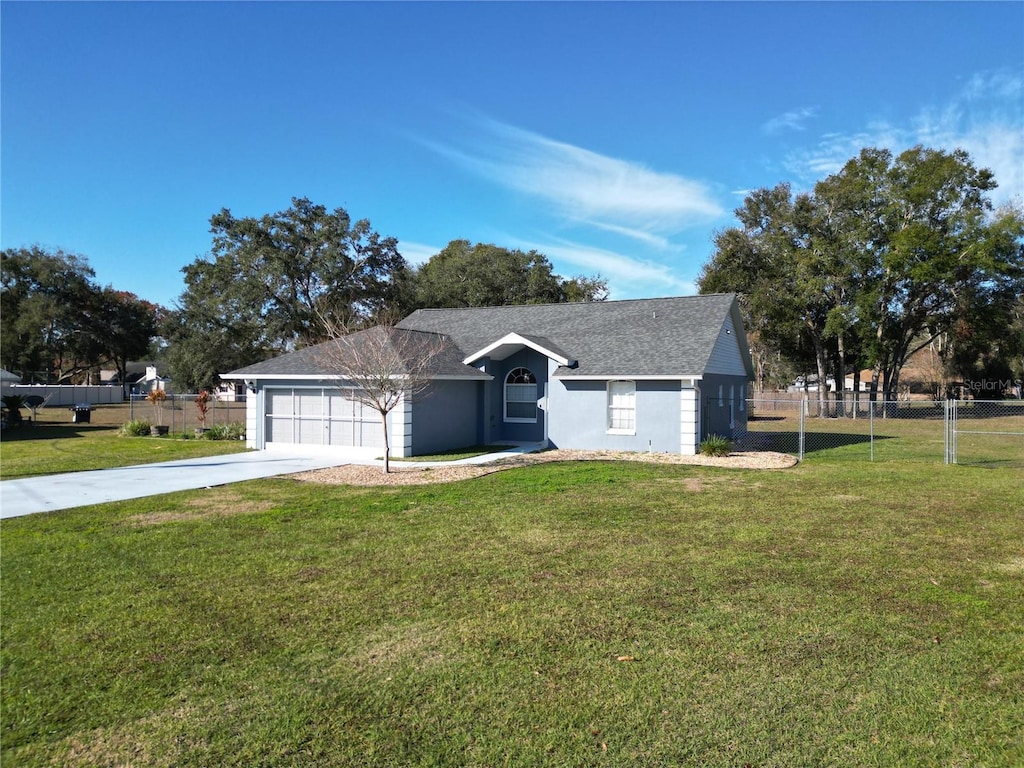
(794, 120)
(417, 253)
(658, 242)
(583, 186)
(986, 119)
(627, 276)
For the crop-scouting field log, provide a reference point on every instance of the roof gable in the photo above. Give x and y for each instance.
(513, 342)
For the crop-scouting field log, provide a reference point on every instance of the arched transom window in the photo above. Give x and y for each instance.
(520, 395)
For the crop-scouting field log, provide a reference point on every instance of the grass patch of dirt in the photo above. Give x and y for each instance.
(221, 502)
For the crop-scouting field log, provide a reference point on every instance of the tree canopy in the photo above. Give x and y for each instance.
(270, 282)
(291, 268)
(285, 280)
(486, 275)
(880, 260)
(59, 325)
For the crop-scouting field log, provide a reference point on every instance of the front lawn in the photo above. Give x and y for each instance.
(48, 448)
(577, 614)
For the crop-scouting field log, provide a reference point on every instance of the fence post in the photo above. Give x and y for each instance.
(945, 432)
(952, 433)
(871, 434)
(803, 409)
(950, 430)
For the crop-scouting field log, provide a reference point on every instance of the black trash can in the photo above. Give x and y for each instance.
(81, 413)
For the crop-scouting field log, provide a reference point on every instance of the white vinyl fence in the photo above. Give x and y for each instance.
(69, 394)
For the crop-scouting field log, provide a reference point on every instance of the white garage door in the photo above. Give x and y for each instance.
(321, 417)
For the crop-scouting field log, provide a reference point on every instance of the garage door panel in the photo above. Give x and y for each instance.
(339, 406)
(309, 403)
(279, 401)
(279, 430)
(369, 434)
(311, 432)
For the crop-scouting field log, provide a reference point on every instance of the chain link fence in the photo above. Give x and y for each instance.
(976, 432)
(987, 433)
(180, 413)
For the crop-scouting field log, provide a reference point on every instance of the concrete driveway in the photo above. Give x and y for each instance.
(25, 496)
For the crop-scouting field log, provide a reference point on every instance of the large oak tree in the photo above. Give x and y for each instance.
(877, 262)
(269, 282)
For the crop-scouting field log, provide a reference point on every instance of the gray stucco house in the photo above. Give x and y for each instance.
(640, 375)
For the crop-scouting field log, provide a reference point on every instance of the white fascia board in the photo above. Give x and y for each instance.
(335, 377)
(282, 376)
(515, 338)
(627, 377)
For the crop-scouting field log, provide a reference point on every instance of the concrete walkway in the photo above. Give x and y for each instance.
(26, 496)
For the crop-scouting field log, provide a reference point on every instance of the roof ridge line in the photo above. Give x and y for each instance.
(576, 303)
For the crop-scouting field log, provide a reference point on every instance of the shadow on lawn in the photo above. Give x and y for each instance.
(789, 442)
(45, 431)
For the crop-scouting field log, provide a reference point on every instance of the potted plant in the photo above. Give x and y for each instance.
(157, 398)
(202, 401)
(12, 405)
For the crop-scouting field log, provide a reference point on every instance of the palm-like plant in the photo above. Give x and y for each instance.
(157, 397)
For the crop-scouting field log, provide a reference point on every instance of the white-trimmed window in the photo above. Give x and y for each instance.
(622, 407)
(721, 395)
(521, 396)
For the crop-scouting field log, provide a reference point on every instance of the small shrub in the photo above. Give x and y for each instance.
(136, 428)
(233, 431)
(715, 445)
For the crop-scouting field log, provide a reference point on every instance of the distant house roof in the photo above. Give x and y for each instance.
(7, 376)
(641, 337)
(315, 361)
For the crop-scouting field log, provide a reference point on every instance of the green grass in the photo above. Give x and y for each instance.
(577, 614)
(46, 449)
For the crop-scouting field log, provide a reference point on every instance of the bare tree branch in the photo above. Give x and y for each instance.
(383, 366)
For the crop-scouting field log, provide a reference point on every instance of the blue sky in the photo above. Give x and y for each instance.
(612, 137)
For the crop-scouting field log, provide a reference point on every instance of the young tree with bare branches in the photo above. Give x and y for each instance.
(383, 366)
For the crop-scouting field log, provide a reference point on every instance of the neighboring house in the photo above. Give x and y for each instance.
(141, 378)
(643, 375)
(7, 380)
(229, 391)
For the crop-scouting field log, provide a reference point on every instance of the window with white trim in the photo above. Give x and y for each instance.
(521, 396)
(622, 407)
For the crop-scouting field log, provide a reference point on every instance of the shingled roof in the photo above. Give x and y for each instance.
(672, 337)
(315, 361)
